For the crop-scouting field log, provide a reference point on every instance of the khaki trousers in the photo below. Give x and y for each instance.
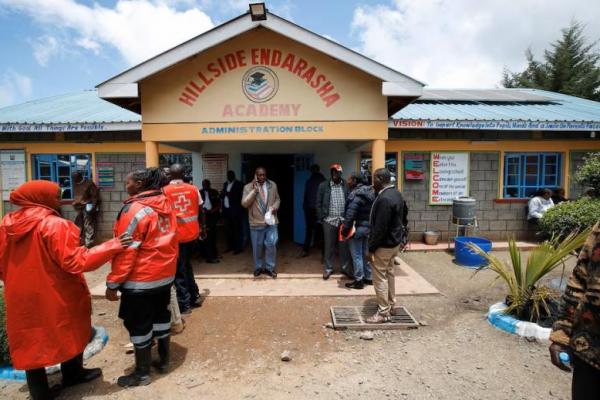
(174, 307)
(383, 278)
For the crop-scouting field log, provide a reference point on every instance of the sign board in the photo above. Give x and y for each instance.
(106, 175)
(449, 177)
(414, 167)
(12, 167)
(494, 125)
(214, 168)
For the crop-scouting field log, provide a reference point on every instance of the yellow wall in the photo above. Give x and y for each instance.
(72, 148)
(355, 130)
(559, 146)
(314, 90)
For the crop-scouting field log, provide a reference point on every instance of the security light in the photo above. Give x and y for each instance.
(258, 11)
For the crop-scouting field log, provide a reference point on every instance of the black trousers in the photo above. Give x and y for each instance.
(313, 230)
(586, 380)
(146, 315)
(185, 284)
(209, 245)
(37, 380)
(234, 225)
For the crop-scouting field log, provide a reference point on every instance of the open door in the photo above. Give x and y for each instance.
(302, 163)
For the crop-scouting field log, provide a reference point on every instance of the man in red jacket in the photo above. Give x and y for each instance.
(145, 272)
(48, 304)
(185, 201)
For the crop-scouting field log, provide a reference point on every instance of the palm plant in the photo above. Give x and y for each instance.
(525, 294)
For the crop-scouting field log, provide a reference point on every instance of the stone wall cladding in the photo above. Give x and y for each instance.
(113, 197)
(497, 221)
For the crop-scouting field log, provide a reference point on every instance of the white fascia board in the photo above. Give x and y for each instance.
(285, 28)
(71, 127)
(400, 89)
(118, 90)
(338, 51)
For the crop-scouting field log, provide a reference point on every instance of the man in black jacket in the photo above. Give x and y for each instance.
(357, 214)
(212, 208)
(387, 237)
(331, 202)
(231, 197)
(309, 205)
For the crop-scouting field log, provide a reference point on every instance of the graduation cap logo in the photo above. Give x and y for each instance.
(260, 84)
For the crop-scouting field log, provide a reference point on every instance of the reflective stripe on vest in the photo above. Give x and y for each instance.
(140, 215)
(133, 285)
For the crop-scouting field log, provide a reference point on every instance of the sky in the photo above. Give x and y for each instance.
(50, 47)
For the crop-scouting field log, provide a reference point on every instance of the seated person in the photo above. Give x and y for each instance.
(538, 205)
(558, 196)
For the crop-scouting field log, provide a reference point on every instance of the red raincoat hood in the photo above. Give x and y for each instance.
(154, 199)
(19, 223)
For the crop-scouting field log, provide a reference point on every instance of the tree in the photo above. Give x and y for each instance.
(571, 66)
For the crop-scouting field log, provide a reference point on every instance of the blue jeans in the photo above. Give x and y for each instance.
(358, 250)
(264, 246)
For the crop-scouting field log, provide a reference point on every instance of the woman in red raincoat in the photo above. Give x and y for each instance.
(48, 304)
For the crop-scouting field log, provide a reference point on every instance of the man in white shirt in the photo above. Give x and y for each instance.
(538, 206)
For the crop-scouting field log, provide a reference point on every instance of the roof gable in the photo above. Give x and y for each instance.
(124, 85)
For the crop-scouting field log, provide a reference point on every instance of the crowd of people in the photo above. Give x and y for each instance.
(43, 257)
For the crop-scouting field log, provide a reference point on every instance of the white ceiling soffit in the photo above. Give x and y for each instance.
(125, 84)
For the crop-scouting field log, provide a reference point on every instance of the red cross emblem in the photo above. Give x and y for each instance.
(182, 203)
(164, 225)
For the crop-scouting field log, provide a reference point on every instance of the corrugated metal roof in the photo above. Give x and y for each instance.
(497, 105)
(80, 107)
(481, 95)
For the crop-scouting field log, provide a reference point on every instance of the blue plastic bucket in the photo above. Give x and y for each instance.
(465, 256)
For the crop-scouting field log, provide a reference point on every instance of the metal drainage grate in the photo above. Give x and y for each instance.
(354, 317)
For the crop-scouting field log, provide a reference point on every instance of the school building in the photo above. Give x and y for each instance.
(269, 92)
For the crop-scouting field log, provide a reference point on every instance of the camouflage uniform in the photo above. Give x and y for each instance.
(578, 325)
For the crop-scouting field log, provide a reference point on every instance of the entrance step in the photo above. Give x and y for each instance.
(408, 282)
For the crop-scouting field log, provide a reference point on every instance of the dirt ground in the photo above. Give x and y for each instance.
(231, 349)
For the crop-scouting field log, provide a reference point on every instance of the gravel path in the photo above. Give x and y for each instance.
(232, 349)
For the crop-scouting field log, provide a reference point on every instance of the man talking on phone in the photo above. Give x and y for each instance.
(261, 199)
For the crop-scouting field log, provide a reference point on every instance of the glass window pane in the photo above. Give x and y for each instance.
(531, 159)
(530, 191)
(512, 192)
(531, 169)
(531, 181)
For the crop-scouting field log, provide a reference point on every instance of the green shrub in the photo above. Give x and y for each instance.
(589, 173)
(4, 354)
(570, 216)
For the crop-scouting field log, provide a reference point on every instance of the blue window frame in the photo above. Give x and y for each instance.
(526, 173)
(59, 167)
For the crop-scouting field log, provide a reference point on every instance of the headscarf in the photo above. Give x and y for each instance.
(37, 194)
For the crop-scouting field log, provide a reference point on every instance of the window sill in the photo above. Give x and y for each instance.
(66, 202)
(510, 201)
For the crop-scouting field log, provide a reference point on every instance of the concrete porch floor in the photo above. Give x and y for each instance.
(297, 277)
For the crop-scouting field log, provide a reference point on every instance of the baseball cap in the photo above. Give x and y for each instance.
(337, 167)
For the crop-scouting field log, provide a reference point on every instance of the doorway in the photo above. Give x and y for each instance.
(289, 172)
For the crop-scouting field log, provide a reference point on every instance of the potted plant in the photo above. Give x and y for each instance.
(527, 298)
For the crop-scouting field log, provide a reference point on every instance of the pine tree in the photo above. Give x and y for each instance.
(570, 66)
